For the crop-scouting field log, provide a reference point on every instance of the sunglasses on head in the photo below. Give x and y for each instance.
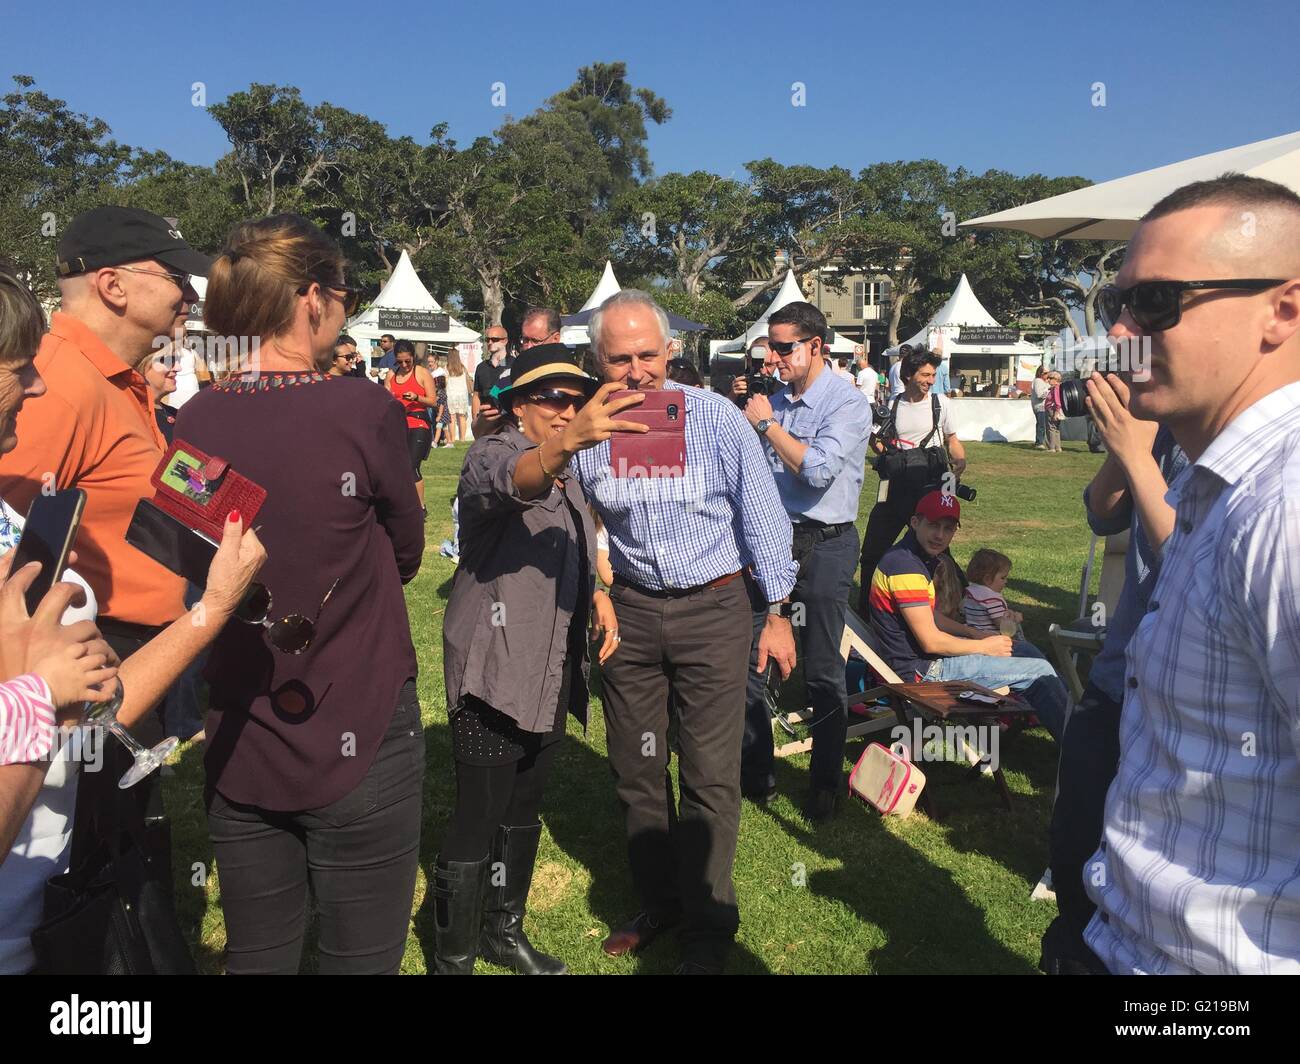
(351, 296)
(291, 634)
(784, 347)
(1158, 305)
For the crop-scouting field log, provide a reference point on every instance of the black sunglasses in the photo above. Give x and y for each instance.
(289, 635)
(557, 398)
(1158, 305)
(784, 347)
(351, 296)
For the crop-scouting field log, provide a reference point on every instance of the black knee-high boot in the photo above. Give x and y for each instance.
(458, 914)
(504, 941)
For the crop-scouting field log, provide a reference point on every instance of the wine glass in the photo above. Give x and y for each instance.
(146, 761)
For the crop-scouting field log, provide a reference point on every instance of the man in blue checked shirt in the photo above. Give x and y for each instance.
(1196, 871)
(815, 431)
(678, 547)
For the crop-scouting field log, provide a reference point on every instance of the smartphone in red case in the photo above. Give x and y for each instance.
(661, 452)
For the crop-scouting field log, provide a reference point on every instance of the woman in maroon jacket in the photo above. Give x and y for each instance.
(315, 753)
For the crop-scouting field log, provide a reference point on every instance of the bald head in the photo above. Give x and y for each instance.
(1237, 225)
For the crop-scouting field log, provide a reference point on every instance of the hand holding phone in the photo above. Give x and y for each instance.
(47, 536)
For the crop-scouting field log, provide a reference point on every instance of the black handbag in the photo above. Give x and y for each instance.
(913, 468)
(112, 912)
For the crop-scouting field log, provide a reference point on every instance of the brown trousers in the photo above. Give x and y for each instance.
(696, 648)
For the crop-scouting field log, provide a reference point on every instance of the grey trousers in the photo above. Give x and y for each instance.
(681, 854)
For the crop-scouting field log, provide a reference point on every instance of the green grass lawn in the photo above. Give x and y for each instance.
(859, 895)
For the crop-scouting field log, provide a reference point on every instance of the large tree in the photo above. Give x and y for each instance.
(54, 163)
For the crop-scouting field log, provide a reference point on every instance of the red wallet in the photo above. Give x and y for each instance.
(200, 490)
(661, 452)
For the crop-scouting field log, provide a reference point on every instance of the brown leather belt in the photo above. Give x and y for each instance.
(677, 592)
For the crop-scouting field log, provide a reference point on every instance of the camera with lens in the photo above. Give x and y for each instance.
(758, 384)
(964, 492)
(1069, 398)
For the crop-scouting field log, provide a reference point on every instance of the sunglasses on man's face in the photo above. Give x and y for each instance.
(1158, 305)
(785, 347)
(291, 634)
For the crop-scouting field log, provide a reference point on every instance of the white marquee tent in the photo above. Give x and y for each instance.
(789, 292)
(404, 291)
(964, 311)
(576, 335)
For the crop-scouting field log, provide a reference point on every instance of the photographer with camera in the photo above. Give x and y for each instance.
(815, 432)
(915, 445)
(761, 376)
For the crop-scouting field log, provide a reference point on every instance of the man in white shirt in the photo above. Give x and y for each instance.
(919, 418)
(1197, 866)
(868, 383)
(895, 380)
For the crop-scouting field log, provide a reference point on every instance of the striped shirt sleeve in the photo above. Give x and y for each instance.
(26, 720)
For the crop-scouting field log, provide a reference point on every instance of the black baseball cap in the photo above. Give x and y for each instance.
(110, 236)
(539, 363)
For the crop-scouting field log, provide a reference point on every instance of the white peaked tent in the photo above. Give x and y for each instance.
(1110, 211)
(964, 310)
(404, 291)
(789, 292)
(576, 335)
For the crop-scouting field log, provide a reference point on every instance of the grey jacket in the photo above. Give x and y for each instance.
(520, 580)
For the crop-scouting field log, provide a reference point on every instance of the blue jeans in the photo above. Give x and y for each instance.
(1033, 677)
(1040, 428)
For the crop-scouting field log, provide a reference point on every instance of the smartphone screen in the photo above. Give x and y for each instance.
(50, 528)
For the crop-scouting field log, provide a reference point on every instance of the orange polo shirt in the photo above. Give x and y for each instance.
(94, 429)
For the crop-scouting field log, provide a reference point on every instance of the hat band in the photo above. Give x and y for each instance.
(555, 369)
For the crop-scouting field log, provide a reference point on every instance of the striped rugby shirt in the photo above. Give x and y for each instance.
(1199, 865)
(904, 578)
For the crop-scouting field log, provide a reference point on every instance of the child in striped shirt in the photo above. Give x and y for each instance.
(983, 606)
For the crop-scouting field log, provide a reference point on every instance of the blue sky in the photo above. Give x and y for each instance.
(981, 85)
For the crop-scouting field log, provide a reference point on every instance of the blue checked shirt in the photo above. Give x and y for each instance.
(834, 419)
(1199, 866)
(723, 515)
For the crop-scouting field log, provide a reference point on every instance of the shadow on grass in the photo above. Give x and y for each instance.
(931, 927)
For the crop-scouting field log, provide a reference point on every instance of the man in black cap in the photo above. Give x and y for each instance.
(124, 278)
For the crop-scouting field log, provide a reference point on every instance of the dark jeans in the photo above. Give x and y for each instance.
(822, 590)
(757, 753)
(696, 646)
(1089, 759)
(147, 794)
(358, 856)
(886, 521)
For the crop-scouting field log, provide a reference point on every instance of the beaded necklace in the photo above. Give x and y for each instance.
(269, 381)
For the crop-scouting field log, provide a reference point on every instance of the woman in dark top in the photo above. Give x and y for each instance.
(515, 651)
(412, 386)
(314, 753)
(158, 368)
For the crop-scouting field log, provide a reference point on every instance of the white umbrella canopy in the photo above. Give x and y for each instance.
(789, 292)
(1111, 210)
(404, 291)
(576, 335)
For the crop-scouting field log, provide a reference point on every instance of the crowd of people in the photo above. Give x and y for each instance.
(1173, 830)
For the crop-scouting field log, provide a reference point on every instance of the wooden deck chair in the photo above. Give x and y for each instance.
(859, 637)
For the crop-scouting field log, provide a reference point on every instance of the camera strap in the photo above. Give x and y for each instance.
(889, 430)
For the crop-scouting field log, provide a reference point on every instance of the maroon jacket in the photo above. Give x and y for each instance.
(340, 505)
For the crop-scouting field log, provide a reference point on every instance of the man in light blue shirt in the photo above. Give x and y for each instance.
(815, 431)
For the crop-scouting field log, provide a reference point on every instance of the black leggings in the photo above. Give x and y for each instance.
(488, 796)
(418, 444)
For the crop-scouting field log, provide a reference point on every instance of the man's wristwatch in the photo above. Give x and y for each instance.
(779, 609)
(763, 425)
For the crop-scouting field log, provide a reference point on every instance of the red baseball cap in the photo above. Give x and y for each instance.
(939, 506)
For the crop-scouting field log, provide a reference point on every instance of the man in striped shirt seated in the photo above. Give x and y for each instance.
(920, 643)
(1197, 869)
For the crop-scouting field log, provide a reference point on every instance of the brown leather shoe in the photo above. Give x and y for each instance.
(635, 935)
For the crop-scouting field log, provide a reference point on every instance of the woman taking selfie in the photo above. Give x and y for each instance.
(314, 753)
(412, 386)
(515, 650)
